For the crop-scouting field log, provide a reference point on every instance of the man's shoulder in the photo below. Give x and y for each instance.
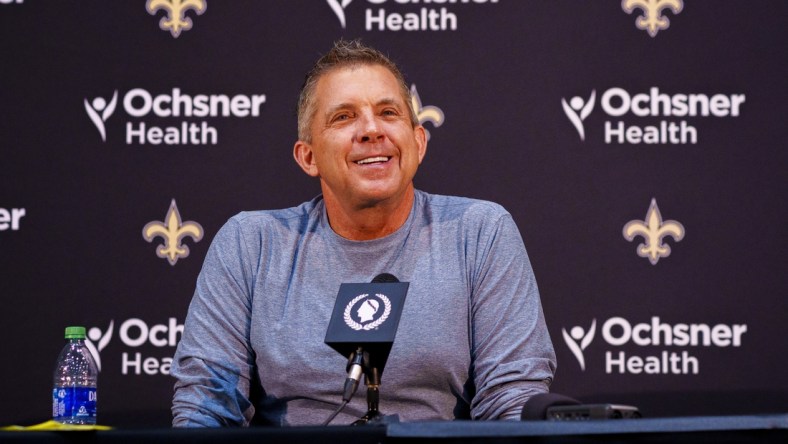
(458, 206)
(284, 217)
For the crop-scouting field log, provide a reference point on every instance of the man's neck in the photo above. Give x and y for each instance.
(369, 222)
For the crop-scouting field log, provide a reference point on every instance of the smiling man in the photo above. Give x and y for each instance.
(472, 341)
(364, 144)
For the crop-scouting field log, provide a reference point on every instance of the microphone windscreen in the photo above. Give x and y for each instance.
(384, 278)
(536, 406)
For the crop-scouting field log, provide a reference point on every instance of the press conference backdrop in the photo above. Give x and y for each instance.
(639, 146)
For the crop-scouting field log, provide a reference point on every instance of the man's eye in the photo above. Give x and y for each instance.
(340, 117)
(390, 112)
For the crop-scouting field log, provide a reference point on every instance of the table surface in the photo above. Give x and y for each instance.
(725, 429)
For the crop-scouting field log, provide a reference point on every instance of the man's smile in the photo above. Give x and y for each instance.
(373, 160)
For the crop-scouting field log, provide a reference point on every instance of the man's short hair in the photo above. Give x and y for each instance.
(344, 54)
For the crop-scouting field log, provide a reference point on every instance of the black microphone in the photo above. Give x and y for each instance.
(555, 407)
(358, 362)
(362, 327)
(355, 367)
(536, 406)
(372, 371)
(384, 277)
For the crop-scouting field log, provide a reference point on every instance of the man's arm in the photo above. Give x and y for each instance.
(214, 361)
(513, 357)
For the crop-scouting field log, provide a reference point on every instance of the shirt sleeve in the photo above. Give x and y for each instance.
(214, 361)
(513, 357)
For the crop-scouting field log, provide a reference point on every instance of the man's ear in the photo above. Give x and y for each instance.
(305, 158)
(421, 141)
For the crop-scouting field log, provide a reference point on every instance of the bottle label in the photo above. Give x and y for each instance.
(70, 403)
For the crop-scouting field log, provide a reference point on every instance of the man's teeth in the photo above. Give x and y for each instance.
(372, 160)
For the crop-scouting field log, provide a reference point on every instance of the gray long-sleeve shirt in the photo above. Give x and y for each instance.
(471, 343)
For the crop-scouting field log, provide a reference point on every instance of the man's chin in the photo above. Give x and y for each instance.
(376, 197)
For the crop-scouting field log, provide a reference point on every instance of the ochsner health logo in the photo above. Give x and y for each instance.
(577, 110)
(99, 111)
(405, 15)
(578, 334)
(190, 115)
(135, 333)
(98, 340)
(652, 117)
(338, 6)
(666, 346)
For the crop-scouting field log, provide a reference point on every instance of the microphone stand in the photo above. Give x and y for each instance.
(372, 380)
(359, 361)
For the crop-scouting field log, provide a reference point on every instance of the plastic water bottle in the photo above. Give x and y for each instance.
(74, 392)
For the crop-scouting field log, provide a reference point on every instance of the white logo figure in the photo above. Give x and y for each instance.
(103, 339)
(367, 311)
(577, 334)
(575, 105)
(339, 9)
(100, 105)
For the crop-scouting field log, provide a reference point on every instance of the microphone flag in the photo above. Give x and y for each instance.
(367, 315)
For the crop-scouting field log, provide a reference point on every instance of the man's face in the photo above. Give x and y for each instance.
(363, 146)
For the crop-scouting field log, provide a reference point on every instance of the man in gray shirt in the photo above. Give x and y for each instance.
(472, 341)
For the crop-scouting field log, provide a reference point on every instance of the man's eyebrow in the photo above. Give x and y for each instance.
(349, 105)
(335, 108)
(389, 101)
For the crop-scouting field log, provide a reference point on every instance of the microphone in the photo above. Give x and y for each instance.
(355, 367)
(555, 407)
(372, 372)
(536, 406)
(384, 277)
(362, 327)
(356, 362)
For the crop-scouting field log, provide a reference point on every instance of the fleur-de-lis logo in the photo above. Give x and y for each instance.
(176, 21)
(653, 230)
(425, 113)
(172, 231)
(652, 19)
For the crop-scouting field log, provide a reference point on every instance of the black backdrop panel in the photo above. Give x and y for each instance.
(565, 112)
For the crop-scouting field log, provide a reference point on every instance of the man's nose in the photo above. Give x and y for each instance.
(369, 129)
